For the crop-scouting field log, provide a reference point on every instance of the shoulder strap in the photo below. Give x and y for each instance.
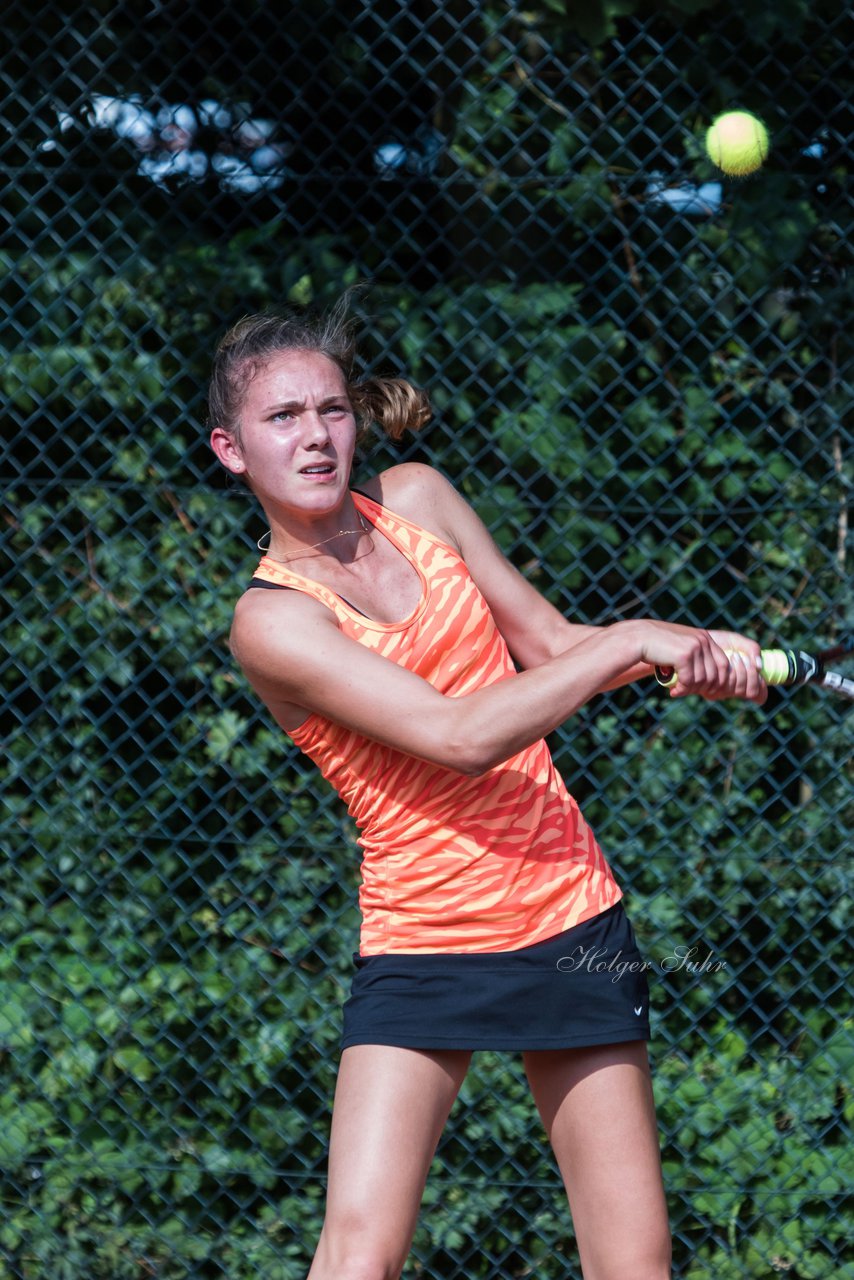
(281, 586)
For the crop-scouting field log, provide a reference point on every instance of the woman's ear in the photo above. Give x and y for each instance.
(226, 449)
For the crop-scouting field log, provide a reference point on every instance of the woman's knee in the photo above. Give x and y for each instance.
(651, 1259)
(353, 1249)
(657, 1264)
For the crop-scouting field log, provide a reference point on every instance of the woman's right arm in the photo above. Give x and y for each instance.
(295, 656)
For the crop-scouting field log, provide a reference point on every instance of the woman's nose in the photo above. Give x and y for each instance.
(314, 427)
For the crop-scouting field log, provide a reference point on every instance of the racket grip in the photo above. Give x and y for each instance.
(779, 666)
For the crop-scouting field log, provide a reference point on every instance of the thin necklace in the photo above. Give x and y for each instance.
(342, 533)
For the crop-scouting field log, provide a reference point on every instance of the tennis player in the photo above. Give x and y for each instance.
(400, 650)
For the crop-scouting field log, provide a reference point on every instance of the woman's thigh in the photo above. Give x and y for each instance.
(390, 1107)
(597, 1107)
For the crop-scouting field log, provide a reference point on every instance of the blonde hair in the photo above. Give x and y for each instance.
(394, 404)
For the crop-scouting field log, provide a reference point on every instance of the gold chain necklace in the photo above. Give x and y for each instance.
(342, 533)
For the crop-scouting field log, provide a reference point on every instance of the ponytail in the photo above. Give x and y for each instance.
(394, 404)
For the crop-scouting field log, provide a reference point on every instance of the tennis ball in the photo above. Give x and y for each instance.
(738, 143)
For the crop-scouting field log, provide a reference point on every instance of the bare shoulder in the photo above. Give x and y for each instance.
(407, 482)
(301, 663)
(421, 494)
(281, 616)
(276, 638)
(534, 630)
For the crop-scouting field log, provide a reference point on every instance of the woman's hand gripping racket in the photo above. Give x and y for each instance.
(788, 667)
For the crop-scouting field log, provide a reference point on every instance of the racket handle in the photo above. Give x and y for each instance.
(779, 666)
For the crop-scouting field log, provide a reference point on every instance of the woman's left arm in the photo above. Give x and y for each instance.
(535, 630)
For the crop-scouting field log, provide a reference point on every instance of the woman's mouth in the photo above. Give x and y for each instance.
(319, 470)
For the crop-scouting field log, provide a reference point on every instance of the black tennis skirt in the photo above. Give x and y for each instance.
(585, 986)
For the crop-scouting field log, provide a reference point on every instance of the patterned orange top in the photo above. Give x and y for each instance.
(451, 862)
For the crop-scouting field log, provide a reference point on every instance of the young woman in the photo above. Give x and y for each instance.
(402, 652)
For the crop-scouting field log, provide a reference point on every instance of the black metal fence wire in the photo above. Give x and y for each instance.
(642, 374)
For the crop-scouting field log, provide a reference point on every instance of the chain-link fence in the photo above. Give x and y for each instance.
(642, 377)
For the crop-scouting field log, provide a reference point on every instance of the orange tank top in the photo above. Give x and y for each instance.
(450, 862)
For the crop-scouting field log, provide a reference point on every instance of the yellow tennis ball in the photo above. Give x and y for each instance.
(738, 143)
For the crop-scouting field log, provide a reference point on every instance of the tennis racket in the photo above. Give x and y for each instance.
(789, 667)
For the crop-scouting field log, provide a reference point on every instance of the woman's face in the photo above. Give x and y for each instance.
(297, 434)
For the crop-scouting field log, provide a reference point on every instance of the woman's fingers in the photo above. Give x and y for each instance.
(715, 674)
(705, 670)
(711, 665)
(741, 679)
